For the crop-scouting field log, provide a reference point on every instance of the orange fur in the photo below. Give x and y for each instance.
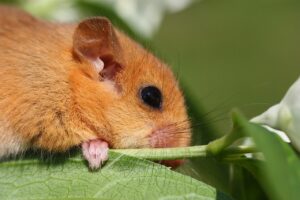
(53, 101)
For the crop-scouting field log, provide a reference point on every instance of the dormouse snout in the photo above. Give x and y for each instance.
(170, 135)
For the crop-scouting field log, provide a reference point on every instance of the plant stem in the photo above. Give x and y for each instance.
(181, 152)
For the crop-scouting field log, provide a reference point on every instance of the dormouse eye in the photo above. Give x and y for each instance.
(151, 96)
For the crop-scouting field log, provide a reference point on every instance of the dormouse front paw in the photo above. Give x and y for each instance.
(95, 152)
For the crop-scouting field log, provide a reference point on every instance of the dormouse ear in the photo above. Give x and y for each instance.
(95, 41)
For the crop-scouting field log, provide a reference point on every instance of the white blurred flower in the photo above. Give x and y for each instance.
(143, 16)
(61, 10)
(285, 116)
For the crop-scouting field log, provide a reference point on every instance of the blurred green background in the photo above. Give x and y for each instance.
(234, 53)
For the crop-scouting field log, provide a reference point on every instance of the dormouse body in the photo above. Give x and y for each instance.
(88, 84)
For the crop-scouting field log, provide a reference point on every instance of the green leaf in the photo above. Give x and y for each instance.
(244, 185)
(280, 173)
(122, 177)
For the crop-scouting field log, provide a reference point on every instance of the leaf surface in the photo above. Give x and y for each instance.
(122, 177)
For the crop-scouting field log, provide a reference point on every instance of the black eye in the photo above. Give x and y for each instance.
(151, 96)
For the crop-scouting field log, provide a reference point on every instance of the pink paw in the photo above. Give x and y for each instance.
(95, 152)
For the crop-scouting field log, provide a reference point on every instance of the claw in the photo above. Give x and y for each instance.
(95, 152)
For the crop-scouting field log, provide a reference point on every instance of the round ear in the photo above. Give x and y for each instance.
(95, 41)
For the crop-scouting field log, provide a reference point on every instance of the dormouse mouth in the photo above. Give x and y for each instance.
(167, 137)
(172, 163)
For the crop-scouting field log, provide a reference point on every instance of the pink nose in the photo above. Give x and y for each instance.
(162, 139)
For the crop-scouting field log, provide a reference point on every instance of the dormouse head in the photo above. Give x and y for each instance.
(126, 95)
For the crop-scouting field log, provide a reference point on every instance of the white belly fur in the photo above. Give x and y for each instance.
(11, 143)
